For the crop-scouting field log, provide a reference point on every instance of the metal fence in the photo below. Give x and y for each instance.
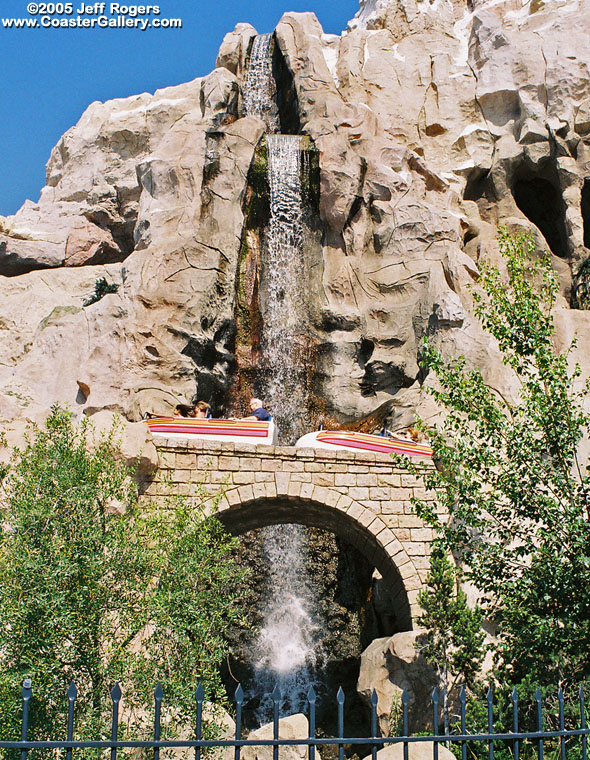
(453, 735)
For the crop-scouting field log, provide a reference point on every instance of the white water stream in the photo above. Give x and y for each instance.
(260, 92)
(288, 649)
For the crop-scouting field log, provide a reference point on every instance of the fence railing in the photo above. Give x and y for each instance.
(454, 735)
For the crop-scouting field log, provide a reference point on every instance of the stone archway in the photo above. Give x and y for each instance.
(241, 510)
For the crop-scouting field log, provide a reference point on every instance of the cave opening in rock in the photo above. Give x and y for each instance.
(540, 201)
(344, 604)
(585, 203)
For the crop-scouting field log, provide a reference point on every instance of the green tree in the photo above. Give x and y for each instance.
(453, 642)
(509, 477)
(94, 590)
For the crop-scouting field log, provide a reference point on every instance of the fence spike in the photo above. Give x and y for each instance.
(311, 695)
(239, 694)
(276, 694)
(158, 692)
(374, 698)
(405, 697)
(340, 695)
(72, 694)
(116, 692)
(462, 695)
(199, 693)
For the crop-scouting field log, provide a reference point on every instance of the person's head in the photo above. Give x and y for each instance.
(183, 410)
(255, 404)
(202, 410)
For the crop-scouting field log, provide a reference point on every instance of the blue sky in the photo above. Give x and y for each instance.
(49, 76)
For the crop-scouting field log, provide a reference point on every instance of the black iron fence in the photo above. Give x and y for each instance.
(564, 743)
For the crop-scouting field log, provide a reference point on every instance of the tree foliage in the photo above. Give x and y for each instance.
(94, 590)
(510, 479)
(454, 637)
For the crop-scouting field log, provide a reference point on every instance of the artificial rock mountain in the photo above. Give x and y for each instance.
(431, 121)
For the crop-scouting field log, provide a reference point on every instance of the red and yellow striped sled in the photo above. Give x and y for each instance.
(238, 431)
(345, 439)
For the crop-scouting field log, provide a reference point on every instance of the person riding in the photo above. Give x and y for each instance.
(203, 410)
(257, 411)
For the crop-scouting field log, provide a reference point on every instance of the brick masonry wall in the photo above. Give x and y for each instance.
(364, 487)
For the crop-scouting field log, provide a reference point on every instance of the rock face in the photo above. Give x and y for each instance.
(431, 124)
(390, 666)
(291, 727)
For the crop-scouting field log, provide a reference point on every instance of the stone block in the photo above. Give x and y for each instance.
(264, 477)
(305, 453)
(314, 467)
(185, 461)
(292, 465)
(392, 507)
(389, 479)
(306, 491)
(271, 465)
(282, 480)
(259, 490)
(251, 464)
(385, 536)
(416, 548)
(320, 494)
(366, 480)
(323, 479)
(228, 463)
(271, 490)
(208, 462)
(358, 493)
(335, 467)
(379, 494)
(355, 511)
(344, 502)
(345, 480)
(421, 534)
(332, 498)
(301, 477)
(232, 496)
(294, 489)
(410, 521)
(409, 481)
(358, 468)
(246, 493)
(241, 478)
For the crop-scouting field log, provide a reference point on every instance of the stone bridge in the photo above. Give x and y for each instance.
(362, 497)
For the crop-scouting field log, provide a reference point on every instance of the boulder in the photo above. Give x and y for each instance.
(416, 751)
(390, 666)
(292, 727)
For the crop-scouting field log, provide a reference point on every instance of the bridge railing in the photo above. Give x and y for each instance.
(547, 737)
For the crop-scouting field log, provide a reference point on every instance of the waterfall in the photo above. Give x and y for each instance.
(260, 93)
(283, 296)
(288, 648)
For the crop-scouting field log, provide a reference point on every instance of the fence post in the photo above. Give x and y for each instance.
(515, 722)
(116, 697)
(311, 698)
(26, 693)
(72, 694)
(200, 698)
(158, 695)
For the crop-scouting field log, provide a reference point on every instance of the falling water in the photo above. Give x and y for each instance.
(283, 306)
(288, 648)
(260, 92)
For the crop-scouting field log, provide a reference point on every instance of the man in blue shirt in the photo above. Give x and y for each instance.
(258, 412)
